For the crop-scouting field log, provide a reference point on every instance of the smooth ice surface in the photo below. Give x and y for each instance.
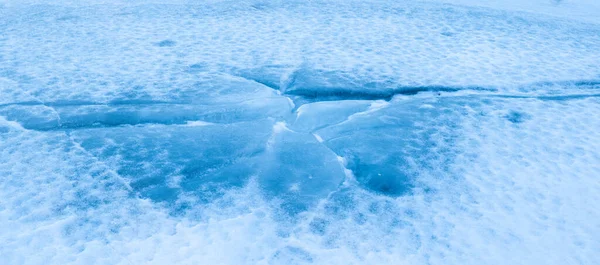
(299, 132)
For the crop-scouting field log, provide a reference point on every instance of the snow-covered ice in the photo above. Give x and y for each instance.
(299, 132)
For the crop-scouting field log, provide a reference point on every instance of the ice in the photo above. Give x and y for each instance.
(166, 163)
(214, 98)
(299, 132)
(311, 117)
(298, 168)
(388, 146)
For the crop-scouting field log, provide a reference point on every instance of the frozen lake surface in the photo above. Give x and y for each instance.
(300, 132)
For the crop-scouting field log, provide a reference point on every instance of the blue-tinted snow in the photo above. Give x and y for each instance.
(299, 132)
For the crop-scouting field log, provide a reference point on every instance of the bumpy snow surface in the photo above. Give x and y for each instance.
(300, 132)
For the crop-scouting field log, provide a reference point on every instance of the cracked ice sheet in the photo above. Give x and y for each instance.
(518, 190)
(99, 163)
